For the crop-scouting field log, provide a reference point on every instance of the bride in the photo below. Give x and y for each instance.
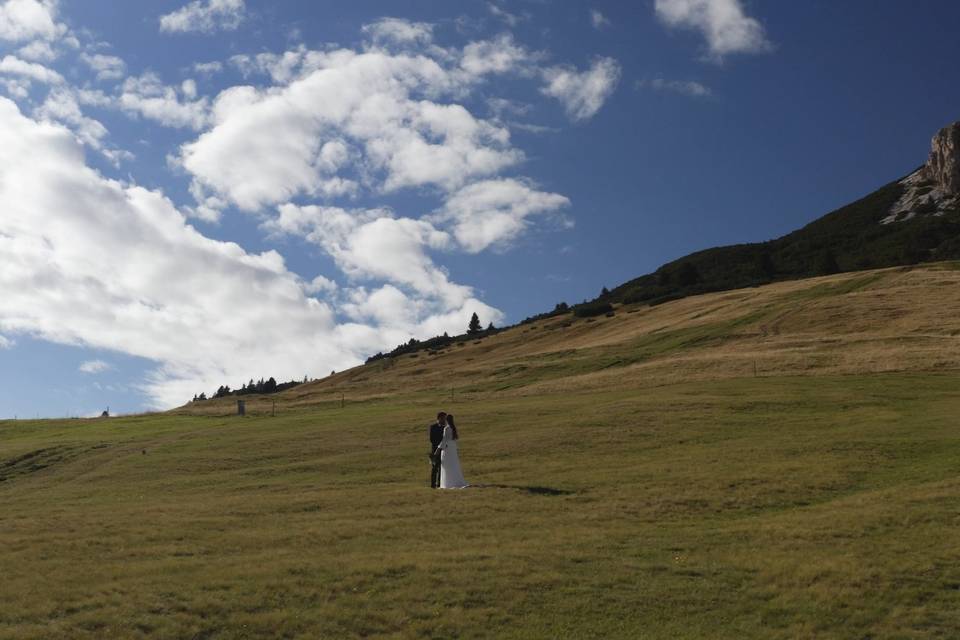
(451, 477)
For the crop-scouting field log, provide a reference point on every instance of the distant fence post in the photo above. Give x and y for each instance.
(241, 407)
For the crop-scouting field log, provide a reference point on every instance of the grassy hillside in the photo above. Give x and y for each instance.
(848, 239)
(635, 478)
(852, 323)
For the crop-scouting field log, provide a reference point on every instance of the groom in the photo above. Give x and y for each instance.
(436, 436)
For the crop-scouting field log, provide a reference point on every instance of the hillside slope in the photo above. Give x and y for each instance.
(911, 220)
(899, 319)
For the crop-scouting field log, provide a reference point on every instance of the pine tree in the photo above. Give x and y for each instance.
(490, 327)
(474, 327)
(827, 264)
(688, 274)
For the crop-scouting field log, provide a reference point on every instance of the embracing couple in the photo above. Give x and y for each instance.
(445, 461)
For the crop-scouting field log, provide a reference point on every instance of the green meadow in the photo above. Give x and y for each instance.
(782, 507)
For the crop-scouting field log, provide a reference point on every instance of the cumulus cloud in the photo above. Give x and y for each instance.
(723, 23)
(32, 70)
(374, 245)
(39, 51)
(6, 343)
(499, 55)
(94, 366)
(400, 31)
(95, 262)
(345, 116)
(148, 97)
(106, 67)
(24, 20)
(598, 20)
(204, 16)
(684, 87)
(61, 105)
(208, 68)
(492, 212)
(582, 93)
(510, 19)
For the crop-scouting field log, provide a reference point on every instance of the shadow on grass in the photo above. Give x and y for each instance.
(537, 491)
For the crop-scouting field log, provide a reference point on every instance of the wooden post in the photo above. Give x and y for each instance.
(273, 412)
(241, 407)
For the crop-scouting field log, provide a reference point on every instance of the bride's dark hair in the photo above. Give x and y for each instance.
(453, 426)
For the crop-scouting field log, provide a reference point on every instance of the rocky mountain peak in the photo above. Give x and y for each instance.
(943, 166)
(934, 188)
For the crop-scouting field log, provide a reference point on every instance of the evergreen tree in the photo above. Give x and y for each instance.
(474, 327)
(765, 265)
(490, 327)
(688, 274)
(605, 292)
(827, 264)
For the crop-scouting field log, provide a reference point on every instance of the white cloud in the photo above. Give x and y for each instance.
(17, 88)
(38, 50)
(95, 262)
(189, 88)
(499, 55)
(400, 31)
(282, 68)
(207, 68)
(61, 105)
(510, 19)
(106, 67)
(6, 343)
(372, 244)
(723, 23)
(598, 20)
(147, 96)
(34, 71)
(685, 87)
(204, 16)
(345, 116)
(94, 366)
(24, 20)
(493, 212)
(109, 265)
(582, 93)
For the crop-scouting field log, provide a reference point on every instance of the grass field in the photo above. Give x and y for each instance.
(611, 500)
(770, 508)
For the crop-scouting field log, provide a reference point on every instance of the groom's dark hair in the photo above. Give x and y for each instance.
(441, 415)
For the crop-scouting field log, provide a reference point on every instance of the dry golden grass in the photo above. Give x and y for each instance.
(899, 319)
(636, 480)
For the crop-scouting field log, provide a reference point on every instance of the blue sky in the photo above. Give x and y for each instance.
(200, 193)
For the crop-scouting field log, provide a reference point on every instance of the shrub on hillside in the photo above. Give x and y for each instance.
(591, 309)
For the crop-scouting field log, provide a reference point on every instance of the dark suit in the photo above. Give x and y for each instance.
(436, 437)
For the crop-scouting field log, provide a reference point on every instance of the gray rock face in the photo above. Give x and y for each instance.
(943, 167)
(933, 189)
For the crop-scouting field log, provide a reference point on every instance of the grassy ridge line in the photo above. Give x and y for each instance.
(763, 508)
(885, 320)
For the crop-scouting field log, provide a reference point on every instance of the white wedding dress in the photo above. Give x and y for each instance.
(451, 477)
